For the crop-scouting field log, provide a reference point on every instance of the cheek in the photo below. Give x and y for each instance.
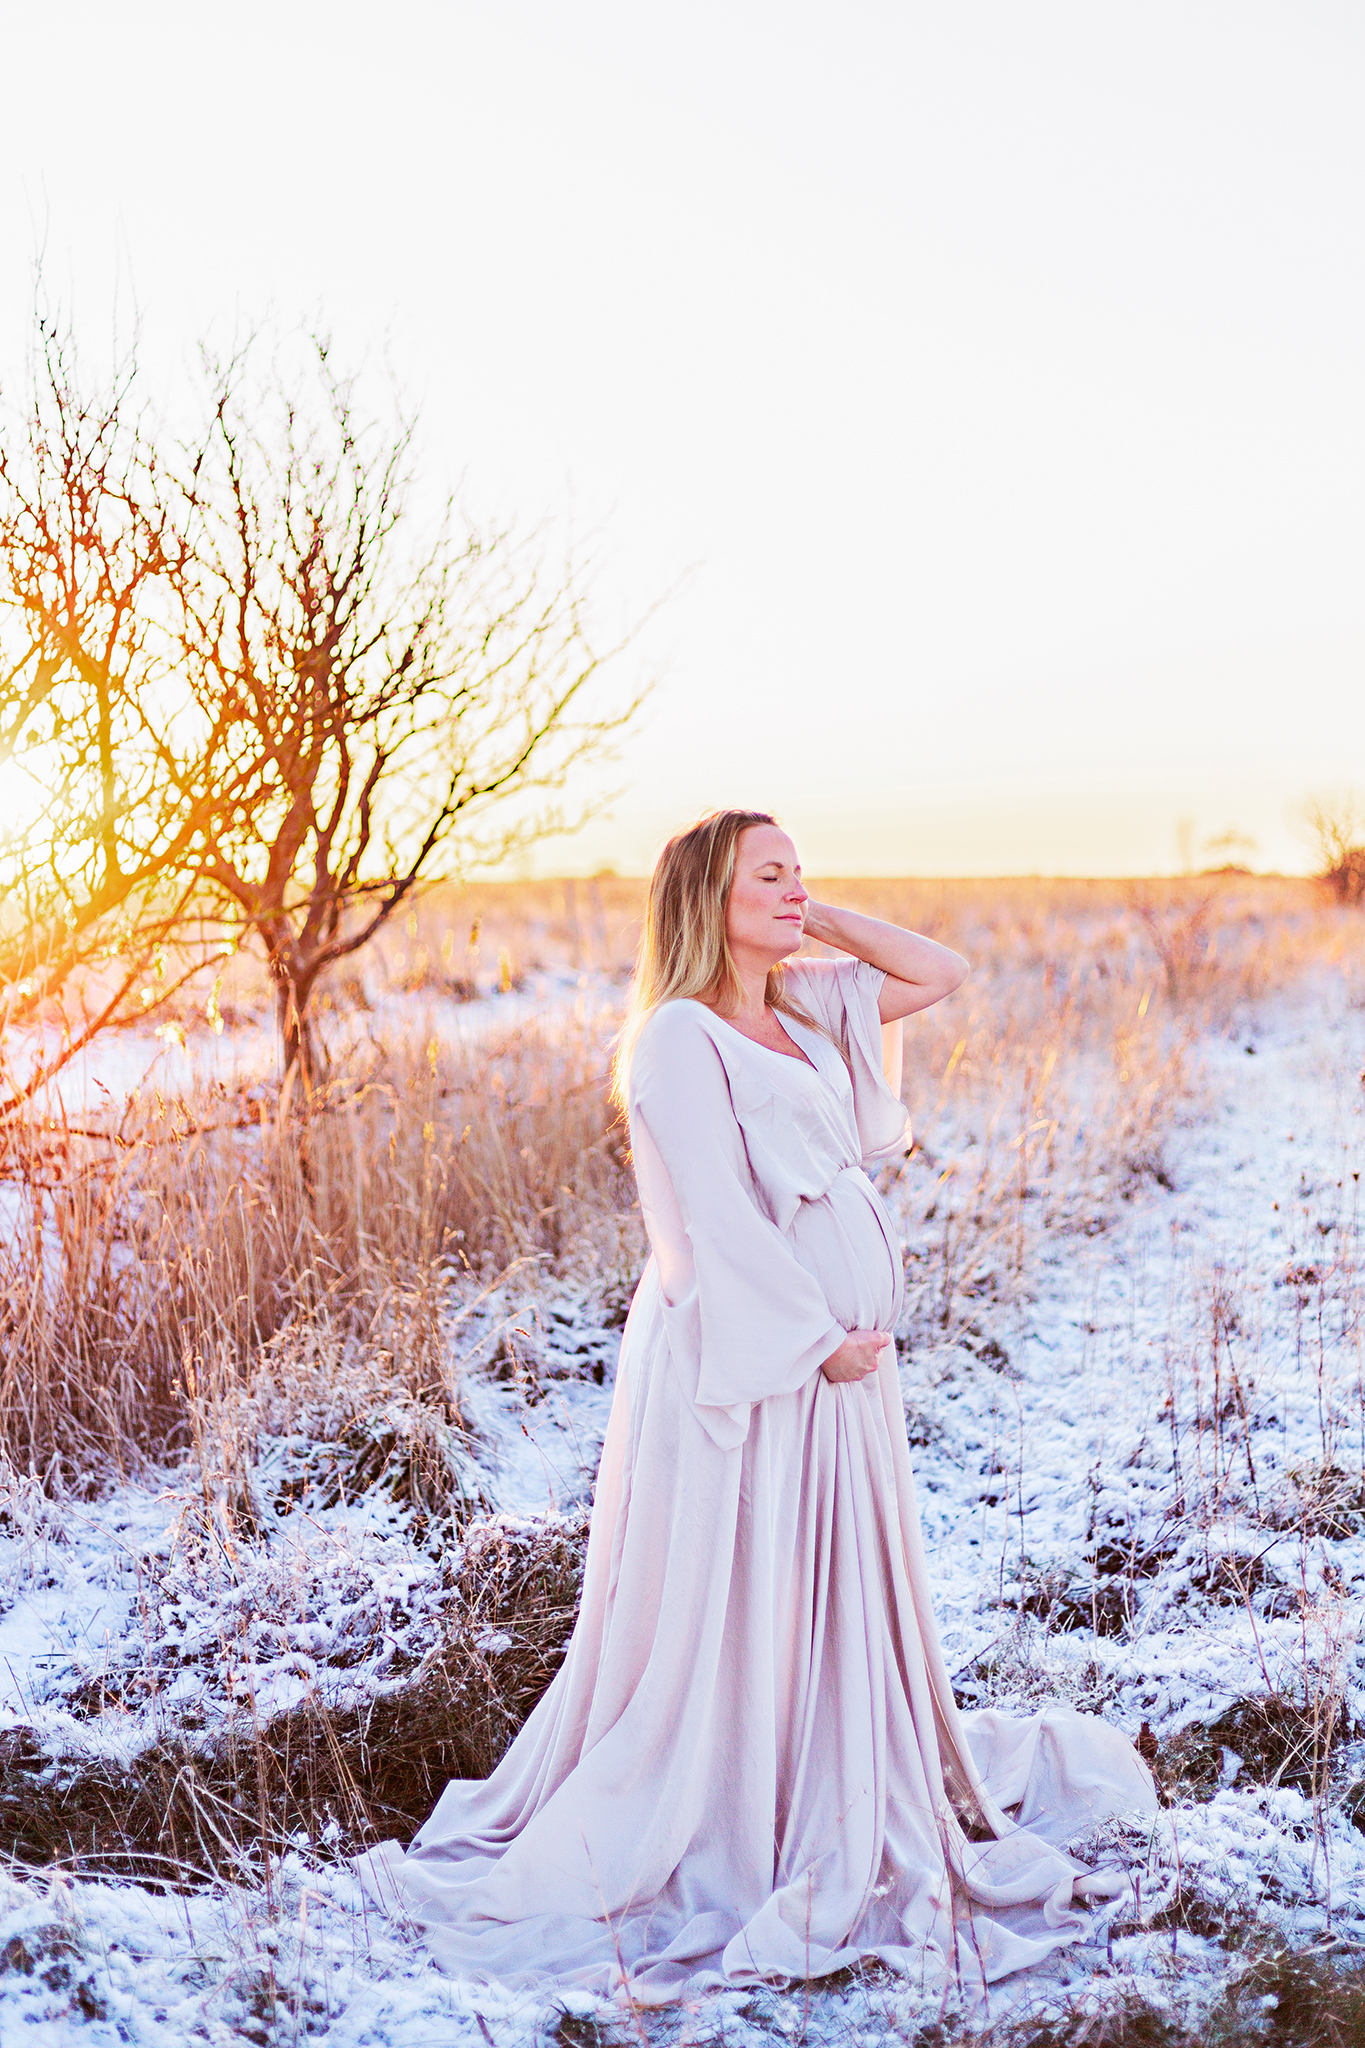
(746, 907)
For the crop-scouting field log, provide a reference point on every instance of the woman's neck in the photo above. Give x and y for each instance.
(753, 1001)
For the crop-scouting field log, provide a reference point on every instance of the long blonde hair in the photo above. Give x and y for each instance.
(684, 951)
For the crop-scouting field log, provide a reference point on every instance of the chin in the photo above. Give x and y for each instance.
(792, 943)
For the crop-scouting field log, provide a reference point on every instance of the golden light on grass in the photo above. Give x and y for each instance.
(193, 1221)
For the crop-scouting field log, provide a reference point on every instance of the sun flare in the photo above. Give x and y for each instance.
(22, 797)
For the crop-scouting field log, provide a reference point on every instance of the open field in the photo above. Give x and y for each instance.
(299, 1433)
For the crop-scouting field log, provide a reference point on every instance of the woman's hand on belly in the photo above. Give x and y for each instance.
(857, 1357)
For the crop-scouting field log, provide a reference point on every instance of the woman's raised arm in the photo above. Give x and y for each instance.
(918, 970)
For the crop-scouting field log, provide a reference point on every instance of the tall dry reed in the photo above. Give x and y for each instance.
(145, 1276)
(149, 1270)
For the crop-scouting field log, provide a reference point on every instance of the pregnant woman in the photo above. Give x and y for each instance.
(750, 1764)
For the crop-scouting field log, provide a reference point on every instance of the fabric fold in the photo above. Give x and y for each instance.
(842, 996)
(745, 1319)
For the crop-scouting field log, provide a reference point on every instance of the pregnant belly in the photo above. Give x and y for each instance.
(846, 1241)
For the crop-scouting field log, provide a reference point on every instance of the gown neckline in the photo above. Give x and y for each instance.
(804, 1059)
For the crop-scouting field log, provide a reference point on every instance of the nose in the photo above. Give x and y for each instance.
(797, 894)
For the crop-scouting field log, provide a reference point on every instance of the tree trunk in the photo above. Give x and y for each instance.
(301, 1057)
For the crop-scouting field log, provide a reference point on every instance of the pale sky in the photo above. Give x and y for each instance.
(992, 370)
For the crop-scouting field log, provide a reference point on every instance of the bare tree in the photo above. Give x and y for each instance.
(264, 697)
(1337, 827)
(389, 693)
(106, 766)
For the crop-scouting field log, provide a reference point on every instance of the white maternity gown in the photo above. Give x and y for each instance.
(750, 1764)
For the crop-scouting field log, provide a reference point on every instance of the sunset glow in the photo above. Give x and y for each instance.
(984, 383)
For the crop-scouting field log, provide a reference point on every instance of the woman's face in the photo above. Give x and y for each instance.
(765, 911)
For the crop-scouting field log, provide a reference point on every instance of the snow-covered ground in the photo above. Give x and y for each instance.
(176, 1062)
(1141, 1490)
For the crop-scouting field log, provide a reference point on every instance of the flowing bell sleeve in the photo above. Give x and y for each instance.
(744, 1318)
(842, 995)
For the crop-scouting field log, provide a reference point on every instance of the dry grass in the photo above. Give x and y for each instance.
(144, 1281)
(457, 943)
(1046, 1090)
(334, 1776)
(149, 1274)
(1273, 1996)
